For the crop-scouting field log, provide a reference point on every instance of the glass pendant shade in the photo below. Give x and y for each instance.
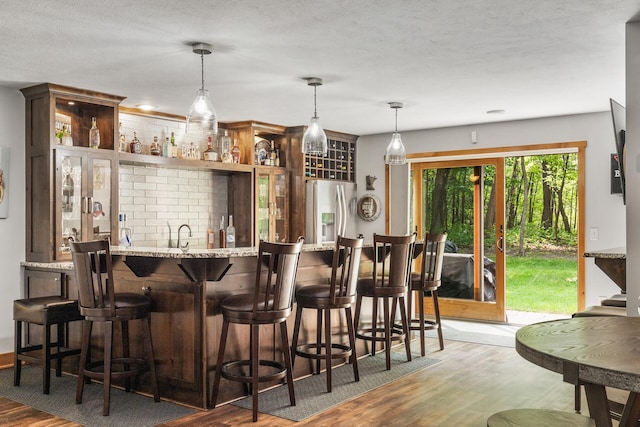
(314, 140)
(202, 118)
(396, 155)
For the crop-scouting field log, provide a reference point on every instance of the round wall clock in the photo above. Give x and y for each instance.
(369, 207)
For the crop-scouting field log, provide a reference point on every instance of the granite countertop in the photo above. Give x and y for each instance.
(613, 253)
(173, 253)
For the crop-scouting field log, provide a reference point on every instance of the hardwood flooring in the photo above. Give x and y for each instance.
(471, 382)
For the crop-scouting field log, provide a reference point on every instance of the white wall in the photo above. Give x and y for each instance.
(603, 210)
(632, 171)
(12, 229)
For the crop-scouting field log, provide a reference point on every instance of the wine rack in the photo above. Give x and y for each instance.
(338, 164)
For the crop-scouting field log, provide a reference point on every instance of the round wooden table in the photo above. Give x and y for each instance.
(593, 351)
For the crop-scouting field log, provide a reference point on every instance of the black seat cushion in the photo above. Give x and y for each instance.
(46, 310)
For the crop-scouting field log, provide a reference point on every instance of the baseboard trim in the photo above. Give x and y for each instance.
(6, 360)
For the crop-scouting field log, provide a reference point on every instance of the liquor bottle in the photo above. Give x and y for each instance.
(273, 153)
(225, 146)
(94, 134)
(223, 239)
(166, 147)
(231, 234)
(210, 235)
(122, 143)
(210, 153)
(136, 145)
(235, 153)
(155, 148)
(66, 136)
(174, 146)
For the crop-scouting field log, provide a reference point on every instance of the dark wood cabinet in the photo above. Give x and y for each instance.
(49, 108)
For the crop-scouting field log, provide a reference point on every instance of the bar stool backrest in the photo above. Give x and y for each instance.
(276, 277)
(94, 277)
(394, 272)
(345, 267)
(432, 259)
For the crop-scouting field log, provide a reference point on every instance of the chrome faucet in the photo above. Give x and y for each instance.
(185, 247)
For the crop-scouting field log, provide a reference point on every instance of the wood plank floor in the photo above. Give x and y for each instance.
(471, 382)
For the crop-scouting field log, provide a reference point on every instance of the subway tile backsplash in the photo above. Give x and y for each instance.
(157, 200)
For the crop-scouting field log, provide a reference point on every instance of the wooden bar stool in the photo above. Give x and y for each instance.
(339, 294)
(270, 303)
(392, 256)
(99, 303)
(427, 282)
(43, 311)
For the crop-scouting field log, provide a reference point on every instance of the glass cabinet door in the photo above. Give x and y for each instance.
(69, 208)
(281, 207)
(263, 206)
(99, 194)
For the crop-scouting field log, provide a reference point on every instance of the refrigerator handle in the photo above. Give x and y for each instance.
(342, 224)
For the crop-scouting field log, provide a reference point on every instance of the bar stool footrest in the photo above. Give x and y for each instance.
(366, 334)
(309, 351)
(95, 370)
(228, 371)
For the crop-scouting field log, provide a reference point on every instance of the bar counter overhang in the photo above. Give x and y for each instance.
(186, 288)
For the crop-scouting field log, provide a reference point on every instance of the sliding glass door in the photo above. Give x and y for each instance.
(465, 199)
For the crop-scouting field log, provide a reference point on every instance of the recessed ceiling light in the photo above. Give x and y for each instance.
(146, 107)
(495, 111)
(71, 103)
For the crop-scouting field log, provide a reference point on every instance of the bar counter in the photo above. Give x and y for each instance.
(186, 288)
(613, 263)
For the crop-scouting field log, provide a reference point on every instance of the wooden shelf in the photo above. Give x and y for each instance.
(338, 164)
(145, 159)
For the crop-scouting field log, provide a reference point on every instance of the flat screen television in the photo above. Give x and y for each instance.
(619, 117)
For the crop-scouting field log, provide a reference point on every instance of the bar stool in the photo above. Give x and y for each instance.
(537, 418)
(339, 294)
(43, 311)
(270, 303)
(99, 303)
(392, 256)
(427, 282)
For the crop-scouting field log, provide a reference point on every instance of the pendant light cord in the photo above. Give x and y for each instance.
(396, 119)
(202, 69)
(315, 109)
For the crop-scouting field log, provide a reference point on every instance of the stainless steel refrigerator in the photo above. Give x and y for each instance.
(330, 211)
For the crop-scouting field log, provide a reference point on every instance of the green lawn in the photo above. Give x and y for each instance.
(542, 285)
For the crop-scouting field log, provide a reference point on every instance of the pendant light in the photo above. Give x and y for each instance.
(202, 119)
(314, 140)
(396, 155)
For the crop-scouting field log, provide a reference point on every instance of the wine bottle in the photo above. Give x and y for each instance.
(223, 239)
(67, 194)
(231, 234)
(94, 134)
(210, 153)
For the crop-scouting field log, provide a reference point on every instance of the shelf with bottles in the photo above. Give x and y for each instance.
(182, 163)
(261, 144)
(338, 163)
(73, 123)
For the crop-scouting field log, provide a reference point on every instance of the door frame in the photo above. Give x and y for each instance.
(578, 147)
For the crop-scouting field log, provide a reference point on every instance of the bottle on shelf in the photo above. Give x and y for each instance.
(272, 154)
(136, 145)
(223, 239)
(94, 134)
(67, 194)
(231, 234)
(166, 146)
(174, 146)
(122, 143)
(225, 148)
(66, 136)
(235, 153)
(277, 164)
(210, 154)
(155, 148)
(210, 235)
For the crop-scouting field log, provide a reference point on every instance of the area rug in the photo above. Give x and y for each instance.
(311, 392)
(127, 409)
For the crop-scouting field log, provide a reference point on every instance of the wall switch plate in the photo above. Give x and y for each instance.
(474, 137)
(593, 233)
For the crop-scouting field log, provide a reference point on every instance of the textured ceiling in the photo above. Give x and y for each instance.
(449, 61)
